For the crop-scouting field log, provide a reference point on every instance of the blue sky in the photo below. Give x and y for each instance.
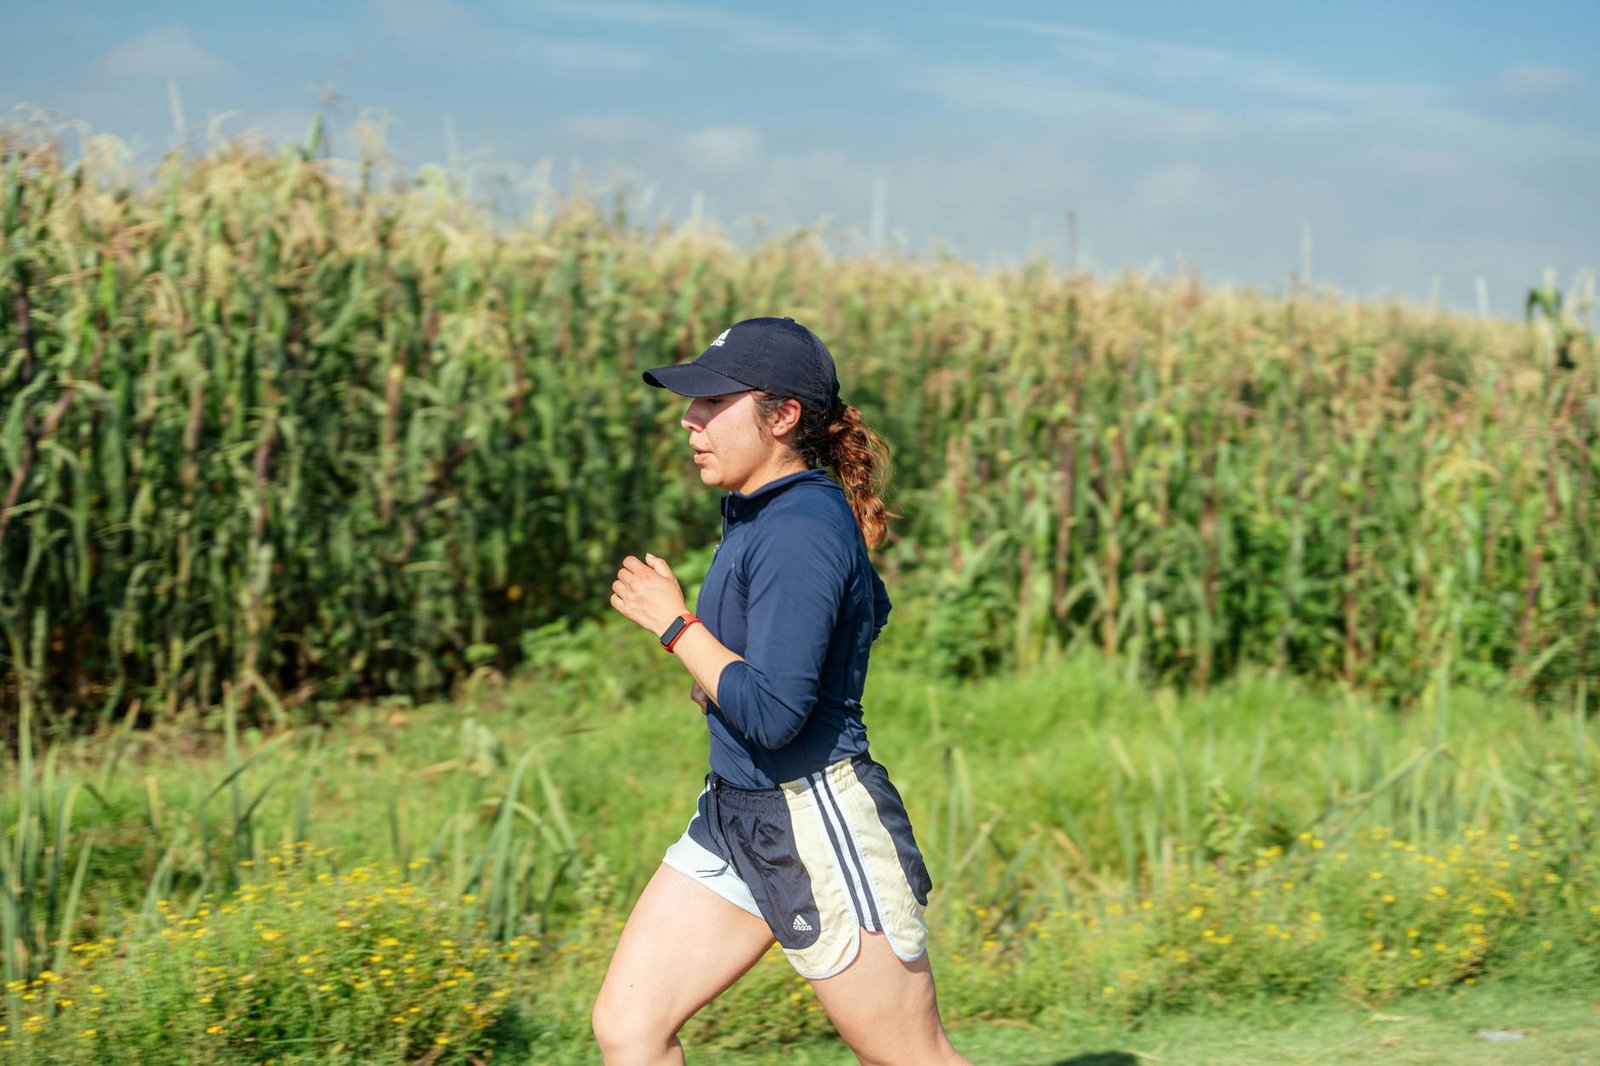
(1419, 144)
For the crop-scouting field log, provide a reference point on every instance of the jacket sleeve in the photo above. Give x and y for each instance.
(880, 604)
(797, 580)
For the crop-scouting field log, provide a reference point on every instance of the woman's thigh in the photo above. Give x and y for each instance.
(682, 946)
(885, 1009)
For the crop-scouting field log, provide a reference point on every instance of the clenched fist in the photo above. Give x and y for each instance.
(647, 593)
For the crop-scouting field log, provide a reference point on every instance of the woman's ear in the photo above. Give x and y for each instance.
(786, 417)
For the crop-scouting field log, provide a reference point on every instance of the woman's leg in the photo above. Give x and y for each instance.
(682, 946)
(886, 1009)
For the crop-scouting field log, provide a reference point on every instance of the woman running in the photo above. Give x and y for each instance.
(798, 835)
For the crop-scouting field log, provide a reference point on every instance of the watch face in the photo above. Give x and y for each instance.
(672, 631)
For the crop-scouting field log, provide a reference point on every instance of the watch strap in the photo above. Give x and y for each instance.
(676, 630)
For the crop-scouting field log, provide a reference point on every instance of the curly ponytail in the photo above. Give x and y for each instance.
(841, 440)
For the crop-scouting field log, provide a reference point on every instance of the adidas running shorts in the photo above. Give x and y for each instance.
(818, 859)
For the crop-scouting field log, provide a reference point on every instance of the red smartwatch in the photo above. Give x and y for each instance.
(679, 626)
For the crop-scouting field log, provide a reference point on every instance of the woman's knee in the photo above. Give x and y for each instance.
(624, 1030)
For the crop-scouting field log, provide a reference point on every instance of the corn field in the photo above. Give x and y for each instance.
(277, 429)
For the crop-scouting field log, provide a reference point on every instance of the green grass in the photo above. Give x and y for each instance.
(1026, 761)
(1104, 853)
(1559, 1030)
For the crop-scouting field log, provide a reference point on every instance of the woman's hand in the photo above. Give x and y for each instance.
(647, 593)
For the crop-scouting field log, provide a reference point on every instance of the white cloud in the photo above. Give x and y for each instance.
(714, 28)
(1201, 67)
(1180, 188)
(611, 130)
(169, 52)
(1046, 97)
(1108, 48)
(446, 27)
(724, 148)
(1526, 80)
(579, 57)
(422, 19)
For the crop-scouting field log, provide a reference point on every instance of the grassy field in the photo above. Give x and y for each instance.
(1109, 859)
(1550, 1030)
(1241, 682)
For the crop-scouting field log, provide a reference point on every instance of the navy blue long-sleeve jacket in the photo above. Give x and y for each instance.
(792, 590)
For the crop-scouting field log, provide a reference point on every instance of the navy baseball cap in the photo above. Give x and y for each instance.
(774, 355)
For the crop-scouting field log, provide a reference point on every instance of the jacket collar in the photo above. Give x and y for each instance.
(737, 504)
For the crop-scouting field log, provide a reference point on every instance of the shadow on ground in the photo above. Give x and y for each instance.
(1097, 1058)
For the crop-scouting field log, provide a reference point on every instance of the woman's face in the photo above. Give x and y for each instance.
(730, 449)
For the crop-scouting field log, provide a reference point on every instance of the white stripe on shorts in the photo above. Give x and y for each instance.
(875, 910)
(845, 852)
